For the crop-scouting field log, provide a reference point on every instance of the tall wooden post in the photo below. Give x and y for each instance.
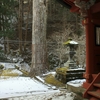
(90, 45)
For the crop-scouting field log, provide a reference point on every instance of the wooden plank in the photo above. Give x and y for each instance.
(97, 85)
(96, 8)
(94, 93)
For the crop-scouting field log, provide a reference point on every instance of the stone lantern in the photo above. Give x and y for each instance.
(70, 70)
(70, 63)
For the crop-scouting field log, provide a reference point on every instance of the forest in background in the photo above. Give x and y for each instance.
(16, 32)
(16, 29)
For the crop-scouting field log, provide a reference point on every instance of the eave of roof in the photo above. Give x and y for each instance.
(69, 4)
(64, 4)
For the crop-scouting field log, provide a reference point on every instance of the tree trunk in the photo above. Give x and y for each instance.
(39, 36)
(20, 19)
(27, 23)
(8, 45)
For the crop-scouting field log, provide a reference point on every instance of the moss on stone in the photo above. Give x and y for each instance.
(8, 72)
(62, 70)
(50, 79)
(67, 42)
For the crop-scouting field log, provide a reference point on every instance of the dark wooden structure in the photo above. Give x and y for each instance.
(90, 11)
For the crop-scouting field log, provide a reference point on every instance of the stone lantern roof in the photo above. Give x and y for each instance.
(70, 41)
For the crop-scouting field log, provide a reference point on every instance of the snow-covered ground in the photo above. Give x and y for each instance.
(25, 86)
(18, 86)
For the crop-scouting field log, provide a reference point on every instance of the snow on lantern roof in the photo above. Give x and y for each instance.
(70, 42)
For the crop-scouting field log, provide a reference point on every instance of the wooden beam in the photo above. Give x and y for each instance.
(96, 8)
(72, 0)
(64, 3)
(96, 21)
(68, 2)
(74, 9)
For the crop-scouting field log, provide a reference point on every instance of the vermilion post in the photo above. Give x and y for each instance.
(89, 29)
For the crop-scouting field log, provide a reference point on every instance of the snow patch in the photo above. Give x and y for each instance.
(76, 83)
(53, 73)
(73, 42)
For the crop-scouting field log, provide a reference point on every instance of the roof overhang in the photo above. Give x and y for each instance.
(64, 4)
(71, 5)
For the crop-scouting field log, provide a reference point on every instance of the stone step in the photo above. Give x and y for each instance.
(74, 71)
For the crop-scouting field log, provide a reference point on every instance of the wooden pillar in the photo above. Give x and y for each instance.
(90, 44)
